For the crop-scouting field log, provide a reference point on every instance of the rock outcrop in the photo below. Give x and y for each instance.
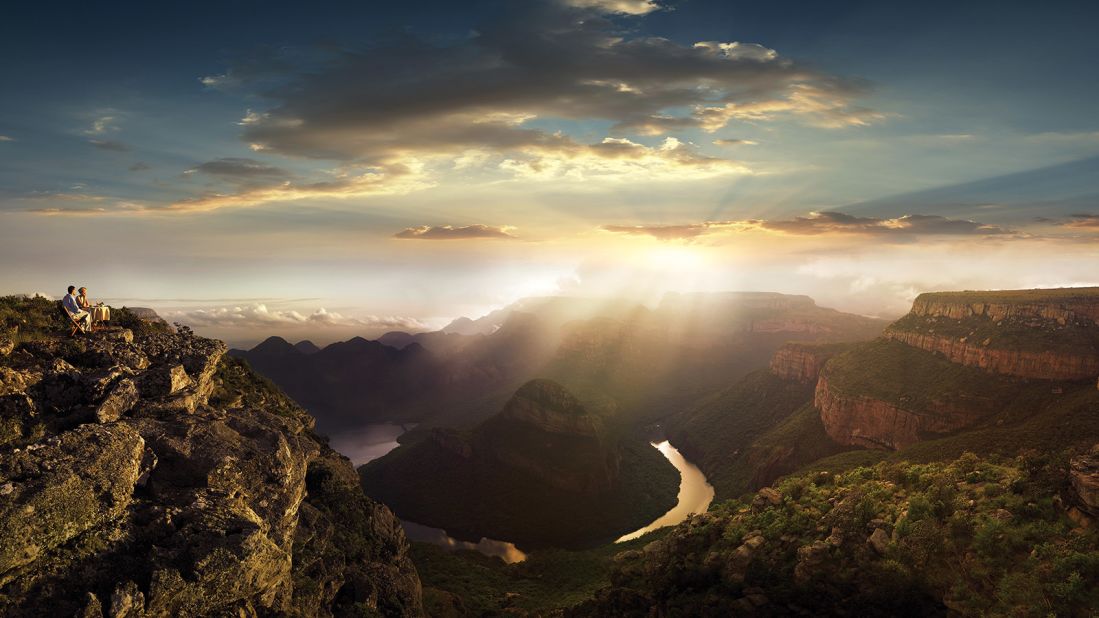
(1043, 365)
(802, 361)
(150, 476)
(1084, 476)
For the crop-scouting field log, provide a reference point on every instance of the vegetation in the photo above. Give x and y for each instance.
(32, 318)
(467, 583)
(917, 380)
(1023, 334)
(717, 435)
(1035, 296)
(977, 536)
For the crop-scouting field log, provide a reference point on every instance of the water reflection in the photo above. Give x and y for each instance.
(507, 552)
(370, 442)
(695, 493)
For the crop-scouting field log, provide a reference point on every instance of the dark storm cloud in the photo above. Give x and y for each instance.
(447, 232)
(541, 60)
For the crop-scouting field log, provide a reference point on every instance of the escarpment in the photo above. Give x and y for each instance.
(149, 475)
(1042, 334)
(802, 362)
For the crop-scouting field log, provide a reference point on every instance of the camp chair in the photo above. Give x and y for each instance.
(71, 320)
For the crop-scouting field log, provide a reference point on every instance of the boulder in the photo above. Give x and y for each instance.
(879, 541)
(164, 381)
(1084, 475)
(121, 400)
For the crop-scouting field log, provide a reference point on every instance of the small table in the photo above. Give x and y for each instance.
(100, 313)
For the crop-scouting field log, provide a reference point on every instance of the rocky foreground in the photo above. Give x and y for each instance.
(149, 475)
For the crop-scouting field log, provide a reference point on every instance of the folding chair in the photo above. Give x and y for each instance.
(71, 320)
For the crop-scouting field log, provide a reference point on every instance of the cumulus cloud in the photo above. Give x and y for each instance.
(259, 315)
(5, 138)
(448, 232)
(538, 61)
(102, 124)
(820, 223)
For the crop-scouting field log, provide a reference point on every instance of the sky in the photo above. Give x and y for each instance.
(328, 169)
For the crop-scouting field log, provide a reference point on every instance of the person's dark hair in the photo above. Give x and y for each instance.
(71, 288)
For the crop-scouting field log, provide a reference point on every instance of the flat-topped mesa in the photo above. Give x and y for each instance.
(802, 362)
(1042, 334)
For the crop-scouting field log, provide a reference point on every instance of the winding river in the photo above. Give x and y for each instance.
(373, 441)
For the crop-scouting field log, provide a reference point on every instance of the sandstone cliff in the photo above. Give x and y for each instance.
(1043, 334)
(802, 361)
(150, 476)
(862, 420)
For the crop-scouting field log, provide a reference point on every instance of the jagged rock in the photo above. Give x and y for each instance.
(801, 362)
(736, 564)
(1084, 475)
(878, 540)
(127, 602)
(810, 557)
(121, 400)
(238, 512)
(79, 480)
(7, 346)
(164, 381)
(768, 496)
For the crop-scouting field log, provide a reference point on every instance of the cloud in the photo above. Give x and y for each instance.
(626, 7)
(238, 168)
(5, 138)
(391, 180)
(140, 166)
(1083, 220)
(821, 223)
(107, 144)
(259, 315)
(667, 232)
(102, 124)
(838, 222)
(538, 61)
(735, 142)
(448, 232)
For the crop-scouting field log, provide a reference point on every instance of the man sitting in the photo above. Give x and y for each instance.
(72, 307)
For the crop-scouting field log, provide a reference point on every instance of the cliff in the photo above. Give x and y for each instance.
(885, 394)
(1043, 334)
(802, 362)
(148, 475)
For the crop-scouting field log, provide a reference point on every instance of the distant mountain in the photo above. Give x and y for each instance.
(306, 347)
(644, 362)
(543, 471)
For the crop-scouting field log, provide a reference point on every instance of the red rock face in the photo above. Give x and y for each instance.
(799, 362)
(859, 420)
(1019, 363)
(1062, 312)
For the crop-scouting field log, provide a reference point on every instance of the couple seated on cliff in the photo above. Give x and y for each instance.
(80, 310)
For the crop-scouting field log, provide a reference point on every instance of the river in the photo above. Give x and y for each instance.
(373, 441)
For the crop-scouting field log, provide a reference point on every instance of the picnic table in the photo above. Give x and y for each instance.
(100, 313)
